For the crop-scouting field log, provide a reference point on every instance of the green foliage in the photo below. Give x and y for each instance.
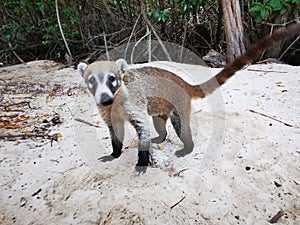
(187, 6)
(268, 9)
(12, 33)
(36, 22)
(159, 15)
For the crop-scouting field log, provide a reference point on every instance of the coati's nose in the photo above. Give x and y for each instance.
(106, 99)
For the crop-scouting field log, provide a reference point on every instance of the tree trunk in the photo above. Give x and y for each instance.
(233, 29)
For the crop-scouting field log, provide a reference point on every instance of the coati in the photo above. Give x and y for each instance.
(132, 94)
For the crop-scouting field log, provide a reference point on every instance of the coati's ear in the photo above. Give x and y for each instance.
(81, 67)
(122, 65)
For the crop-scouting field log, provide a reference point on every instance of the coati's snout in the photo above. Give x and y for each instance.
(106, 100)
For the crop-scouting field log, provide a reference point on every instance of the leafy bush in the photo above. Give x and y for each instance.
(268, 9)
(31, 27)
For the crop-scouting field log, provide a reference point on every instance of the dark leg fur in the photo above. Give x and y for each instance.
(160, 126)
(143, 132)
(117, 136)
(184, 133)
(143, 155)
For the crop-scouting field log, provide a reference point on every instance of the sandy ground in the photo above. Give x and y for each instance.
(244, 169)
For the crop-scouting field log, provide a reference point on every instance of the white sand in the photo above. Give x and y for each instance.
(228, 179)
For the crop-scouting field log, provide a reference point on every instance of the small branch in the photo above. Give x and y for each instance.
(137, 43)
(267, 71)
(184, 38)
(275, 218)
(69, 57)
(177, 202)
(288, 48)
(132, 32)
(14, 52)
(8, 136)
(18, 103)
(149, 46)
(178, 174)
(86, 122)
(153, 30)
(106, 48)
(272, 118)
(279, 24)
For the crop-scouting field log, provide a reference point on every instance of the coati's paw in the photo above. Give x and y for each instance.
(143, 159)
(158, 139)
(106, 158)
(116, 154)
(183, 152)
(140, 169)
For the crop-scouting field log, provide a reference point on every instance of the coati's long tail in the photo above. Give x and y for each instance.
(206, 88)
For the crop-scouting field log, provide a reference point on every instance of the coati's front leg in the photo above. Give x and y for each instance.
(115, 122)
(142, 128)
(117, 137)
(159, 123)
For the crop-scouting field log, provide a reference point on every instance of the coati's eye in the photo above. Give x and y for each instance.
(111, 78)
(92, 80)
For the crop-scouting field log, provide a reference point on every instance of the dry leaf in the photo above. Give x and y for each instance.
(134, 144)
(22, 118)
(279, 84)
(161, 148)
(198, 111)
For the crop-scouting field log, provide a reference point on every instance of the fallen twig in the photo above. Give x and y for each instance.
(18, 103)
(177, 202)
(48, 136)
(267, 71)
(86, 122)
(275, 218)
(179, 172)
(286, 124)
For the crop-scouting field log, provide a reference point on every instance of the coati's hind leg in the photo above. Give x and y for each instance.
(181, 124)
(159, 123)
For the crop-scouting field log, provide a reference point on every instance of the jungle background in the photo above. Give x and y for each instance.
(72, 30)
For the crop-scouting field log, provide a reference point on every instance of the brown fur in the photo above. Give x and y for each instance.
(162, 94)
